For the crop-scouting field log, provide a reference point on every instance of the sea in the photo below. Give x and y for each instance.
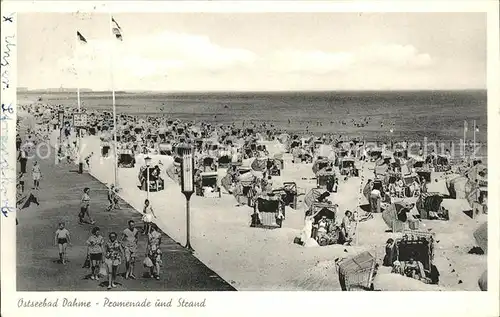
(436, 116)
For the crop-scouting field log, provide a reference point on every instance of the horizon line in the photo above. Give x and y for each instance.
(63, 90)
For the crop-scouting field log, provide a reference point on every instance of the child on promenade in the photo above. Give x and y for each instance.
(148, 216)
(87, 160)
(36, 174)
(84, 207)
(62, 239)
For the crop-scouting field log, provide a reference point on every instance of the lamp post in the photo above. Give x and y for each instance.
(187, 184)
(147, 159)
(61, 126)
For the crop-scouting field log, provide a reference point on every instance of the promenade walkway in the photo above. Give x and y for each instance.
(59, 196)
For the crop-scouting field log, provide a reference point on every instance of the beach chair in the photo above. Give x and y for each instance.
(290, 194)
(274, 166)
(375, 155)
(442, 164)
(224, 161)
(248, 192)
(208, 180)
(419, 246)
(105, 149)
(126, 159)
(396, 216)
(325, 177)
(326, 211)
(347, 166)
(429, 206)
(357, 273)
(269, 212)
(209, 164)
(322, 163)
(408, 181)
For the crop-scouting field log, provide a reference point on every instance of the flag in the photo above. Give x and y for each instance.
(117, 30)
(81, 38)
(477, 128)
(465, 126)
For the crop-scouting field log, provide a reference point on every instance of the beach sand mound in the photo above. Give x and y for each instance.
(321, 277)
(396, 282)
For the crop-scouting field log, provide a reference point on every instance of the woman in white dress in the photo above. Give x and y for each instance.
(305, 235)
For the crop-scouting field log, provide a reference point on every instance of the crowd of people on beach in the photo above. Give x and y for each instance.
(228, 146)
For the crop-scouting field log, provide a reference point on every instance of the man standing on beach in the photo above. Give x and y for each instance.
(129, 241)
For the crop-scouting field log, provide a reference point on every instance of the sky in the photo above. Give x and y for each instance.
(253, 51)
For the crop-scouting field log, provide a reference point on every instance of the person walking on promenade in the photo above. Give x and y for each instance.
(23, 158)
(95, 246)
(153, 253)
(19, 141)
(113, 259)
(62, 239)
(148, 216)
(36, 175)
(129, 240)
(84, 207)
(87, 160)
(20, 180)
(112, 198)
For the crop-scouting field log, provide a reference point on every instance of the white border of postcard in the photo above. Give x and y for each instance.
(257, 303)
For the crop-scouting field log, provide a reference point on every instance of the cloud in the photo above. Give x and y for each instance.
(395, 56)
(316, 62)
(170, 60)
(155, 54)
(389, 56)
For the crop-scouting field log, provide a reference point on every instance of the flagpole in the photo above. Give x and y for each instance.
(474, 147)
(75, 56)
(465, 136)
(114, 99)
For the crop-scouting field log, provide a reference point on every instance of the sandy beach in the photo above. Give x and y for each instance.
(257, 259)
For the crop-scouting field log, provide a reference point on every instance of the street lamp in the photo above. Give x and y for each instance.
(60, 114)
(187, 183)
(147, 159)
